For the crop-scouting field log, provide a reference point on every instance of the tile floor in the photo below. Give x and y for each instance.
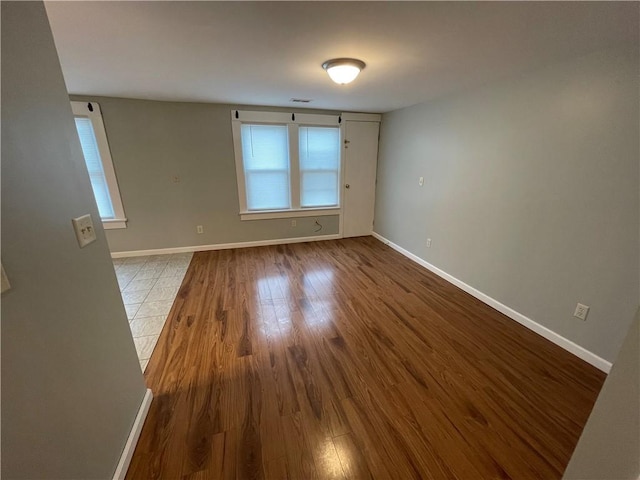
(149, 286)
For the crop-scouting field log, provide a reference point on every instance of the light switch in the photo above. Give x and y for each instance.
(421, 181)
(85, 232)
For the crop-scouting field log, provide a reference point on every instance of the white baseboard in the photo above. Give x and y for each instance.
(134, 435)
(577, 350)
(223, 246)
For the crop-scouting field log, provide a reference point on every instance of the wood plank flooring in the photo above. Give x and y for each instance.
(344, 360)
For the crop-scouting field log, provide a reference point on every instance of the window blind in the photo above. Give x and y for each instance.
(265, 156)
(319, 166)
(94, 166)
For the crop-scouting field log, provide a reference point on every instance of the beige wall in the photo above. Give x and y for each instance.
(151, 142)
(71, 381)
(531, 192)
(609, 447)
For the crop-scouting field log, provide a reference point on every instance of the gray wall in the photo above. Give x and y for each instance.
(609, 447)
(71, 381)
(151, 142)
(531, 192)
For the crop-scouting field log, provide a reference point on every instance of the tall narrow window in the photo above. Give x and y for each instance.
(94, 166)
(319, 166)
(97, 157)
(265, 156)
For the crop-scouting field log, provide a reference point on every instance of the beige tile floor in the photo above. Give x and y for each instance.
(149, 286)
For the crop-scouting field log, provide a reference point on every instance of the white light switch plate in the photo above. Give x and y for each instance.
(85, 232)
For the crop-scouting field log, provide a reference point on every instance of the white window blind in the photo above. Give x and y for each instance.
(287, 164)
(265, 157)
(319, 166)
(94, 166)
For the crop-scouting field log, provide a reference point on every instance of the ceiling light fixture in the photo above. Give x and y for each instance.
(343, 70)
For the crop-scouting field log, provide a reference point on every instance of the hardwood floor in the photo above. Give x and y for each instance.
(343, 359)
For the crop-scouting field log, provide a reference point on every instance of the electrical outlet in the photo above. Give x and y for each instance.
(581, 311)
(428, 243)
(199, 229)
(175, 179)
(421, 181)
(294, 223)
(85, 233)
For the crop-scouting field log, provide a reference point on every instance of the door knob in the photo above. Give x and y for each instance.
(347, 186)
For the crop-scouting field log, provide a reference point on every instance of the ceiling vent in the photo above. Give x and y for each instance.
(301, 100)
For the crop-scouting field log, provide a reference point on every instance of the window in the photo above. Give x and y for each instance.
(286, 164)
(265, 157)
(97, 157)
(319, 166)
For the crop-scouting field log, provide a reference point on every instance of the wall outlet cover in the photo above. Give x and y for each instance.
(581, 311)
(85, 233)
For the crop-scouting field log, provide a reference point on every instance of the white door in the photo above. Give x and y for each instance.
(360, 150)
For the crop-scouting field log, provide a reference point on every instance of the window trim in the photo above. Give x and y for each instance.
(293, 122)
(81, 109)
(302, 212)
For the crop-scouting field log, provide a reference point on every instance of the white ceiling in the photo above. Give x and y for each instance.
(265, 53)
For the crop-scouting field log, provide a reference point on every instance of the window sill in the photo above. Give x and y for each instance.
(303, 212)
(112, 224)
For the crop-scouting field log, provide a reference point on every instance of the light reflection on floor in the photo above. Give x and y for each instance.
(282, 303)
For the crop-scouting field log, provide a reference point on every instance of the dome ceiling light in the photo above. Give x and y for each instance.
(343, 70)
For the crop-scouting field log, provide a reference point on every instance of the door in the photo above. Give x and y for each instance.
(359, 185)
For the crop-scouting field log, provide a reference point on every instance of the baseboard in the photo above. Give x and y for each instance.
(134, 435)
(577, 350)
(223, 246)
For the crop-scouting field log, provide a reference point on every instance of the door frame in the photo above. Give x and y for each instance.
(346, 117)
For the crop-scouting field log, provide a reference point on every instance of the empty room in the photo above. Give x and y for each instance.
(320, 240)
